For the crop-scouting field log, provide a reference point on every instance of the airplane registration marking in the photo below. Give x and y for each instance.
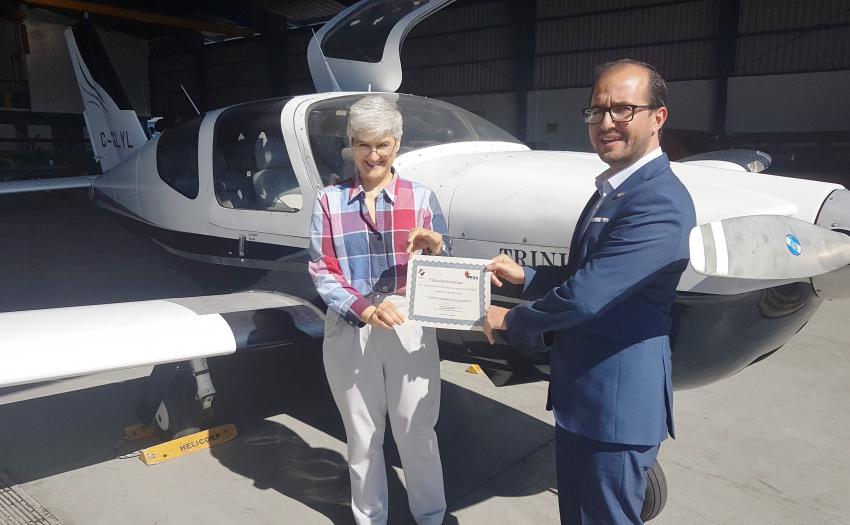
(720, 248)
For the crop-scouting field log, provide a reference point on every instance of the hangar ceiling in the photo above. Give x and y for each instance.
(216, 19)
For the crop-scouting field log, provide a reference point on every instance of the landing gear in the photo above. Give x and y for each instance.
(178, 414)
(176, 398)
(656, 493)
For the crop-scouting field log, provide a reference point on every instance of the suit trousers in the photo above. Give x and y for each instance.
(600, 483)
(373, 372)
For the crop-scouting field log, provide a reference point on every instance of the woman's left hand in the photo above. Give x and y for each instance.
(421, 238)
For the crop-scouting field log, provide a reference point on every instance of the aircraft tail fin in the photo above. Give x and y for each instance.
(114, 128)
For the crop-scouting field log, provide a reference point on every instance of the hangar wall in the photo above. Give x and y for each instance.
(741, 72)
(734, 66)
(52, 86)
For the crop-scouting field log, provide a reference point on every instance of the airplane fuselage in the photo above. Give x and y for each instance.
(235, 188)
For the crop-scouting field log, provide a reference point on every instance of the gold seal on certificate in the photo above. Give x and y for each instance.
(447, 292)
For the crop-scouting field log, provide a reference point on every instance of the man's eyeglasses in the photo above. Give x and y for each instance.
(382, 150)
(622, 113)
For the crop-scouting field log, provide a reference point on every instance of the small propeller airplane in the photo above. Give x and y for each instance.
(234, 187)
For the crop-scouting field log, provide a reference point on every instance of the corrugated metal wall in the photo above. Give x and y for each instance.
(466, 48)
(678, 38)
(474, 47)
(470, 47)
(299, 73)
(789, 36)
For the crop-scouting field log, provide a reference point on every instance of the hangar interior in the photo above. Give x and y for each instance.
(766, 74)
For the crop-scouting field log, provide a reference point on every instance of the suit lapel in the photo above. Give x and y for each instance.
(575, 243)
(579, 246)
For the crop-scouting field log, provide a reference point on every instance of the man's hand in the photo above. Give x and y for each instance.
(494, 319)
(503, 267)
(421, 238)
(385, 315)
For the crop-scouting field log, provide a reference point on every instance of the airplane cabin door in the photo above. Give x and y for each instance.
(258, 197)
(359, 49)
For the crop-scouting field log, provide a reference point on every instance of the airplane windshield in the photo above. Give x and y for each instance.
(427, 122)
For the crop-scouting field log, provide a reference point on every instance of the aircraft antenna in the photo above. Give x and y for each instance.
(325, 59)
(190, 99)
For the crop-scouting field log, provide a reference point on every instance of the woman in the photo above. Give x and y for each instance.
(362, 234)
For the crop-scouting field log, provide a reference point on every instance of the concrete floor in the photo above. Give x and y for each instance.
(767, 446)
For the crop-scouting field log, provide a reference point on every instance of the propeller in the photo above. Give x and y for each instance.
(767, 247)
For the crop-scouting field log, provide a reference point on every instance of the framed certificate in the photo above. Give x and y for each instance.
(447, 292)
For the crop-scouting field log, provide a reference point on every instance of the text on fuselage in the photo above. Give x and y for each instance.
(535, 257)
(120, 141)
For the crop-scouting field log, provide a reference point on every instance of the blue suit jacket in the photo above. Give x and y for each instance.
(610, 311)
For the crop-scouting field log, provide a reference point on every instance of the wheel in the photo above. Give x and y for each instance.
(179, 413)
(656, 493)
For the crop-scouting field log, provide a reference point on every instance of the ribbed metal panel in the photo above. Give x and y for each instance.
(554, 8)
(674, 61)
(238, 74)
(760, 15)
(793, 52)
(474, 45)
(628, 28)
(297, 41)
(461, 17)
(228, 96)
(302, 10)
(461, 78)
(301, 86)
(166, 64)
(236, 52)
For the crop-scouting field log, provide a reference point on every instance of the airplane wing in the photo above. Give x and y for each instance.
(40, 345)
(57, 183)
(360, 48)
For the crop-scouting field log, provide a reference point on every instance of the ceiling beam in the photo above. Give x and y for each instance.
(142, 16)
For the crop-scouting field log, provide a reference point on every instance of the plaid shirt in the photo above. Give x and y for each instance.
(352, 257)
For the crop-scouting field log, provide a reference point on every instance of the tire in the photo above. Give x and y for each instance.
(656, 493)
(179, 413)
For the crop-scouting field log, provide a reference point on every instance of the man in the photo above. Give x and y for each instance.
(610, 307)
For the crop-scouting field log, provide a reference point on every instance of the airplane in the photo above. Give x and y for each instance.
(234, 188)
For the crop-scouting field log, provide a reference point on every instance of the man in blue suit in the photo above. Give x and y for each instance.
(610, 306)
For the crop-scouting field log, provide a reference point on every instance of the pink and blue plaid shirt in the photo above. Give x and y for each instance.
(351, 257)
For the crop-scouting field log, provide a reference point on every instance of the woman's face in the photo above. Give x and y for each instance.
(374, 158)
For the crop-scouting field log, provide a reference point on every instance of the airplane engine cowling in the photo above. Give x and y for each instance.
(492, 207)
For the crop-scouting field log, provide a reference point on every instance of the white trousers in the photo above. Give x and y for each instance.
(373, 372)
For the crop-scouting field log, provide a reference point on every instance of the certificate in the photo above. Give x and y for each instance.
(447, 292)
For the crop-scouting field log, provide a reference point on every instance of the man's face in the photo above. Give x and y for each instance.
(374, 158)
(620, 144)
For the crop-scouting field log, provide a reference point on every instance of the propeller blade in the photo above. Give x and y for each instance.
(767, 247)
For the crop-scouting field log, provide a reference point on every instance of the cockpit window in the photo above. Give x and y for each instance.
(177, 157)
(427, 122)
(363, 33)
(251, 167)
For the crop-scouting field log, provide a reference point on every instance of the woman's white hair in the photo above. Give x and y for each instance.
(373, 117)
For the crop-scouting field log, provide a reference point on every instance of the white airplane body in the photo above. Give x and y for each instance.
(235, 188)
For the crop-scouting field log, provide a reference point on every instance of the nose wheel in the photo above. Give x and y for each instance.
(656, 493)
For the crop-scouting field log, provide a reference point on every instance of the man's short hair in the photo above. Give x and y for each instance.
(657, 86)
(373, 117)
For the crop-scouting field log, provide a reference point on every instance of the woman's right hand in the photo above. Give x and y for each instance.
(385, 315)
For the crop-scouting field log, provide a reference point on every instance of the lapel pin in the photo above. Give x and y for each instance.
(617, 196)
